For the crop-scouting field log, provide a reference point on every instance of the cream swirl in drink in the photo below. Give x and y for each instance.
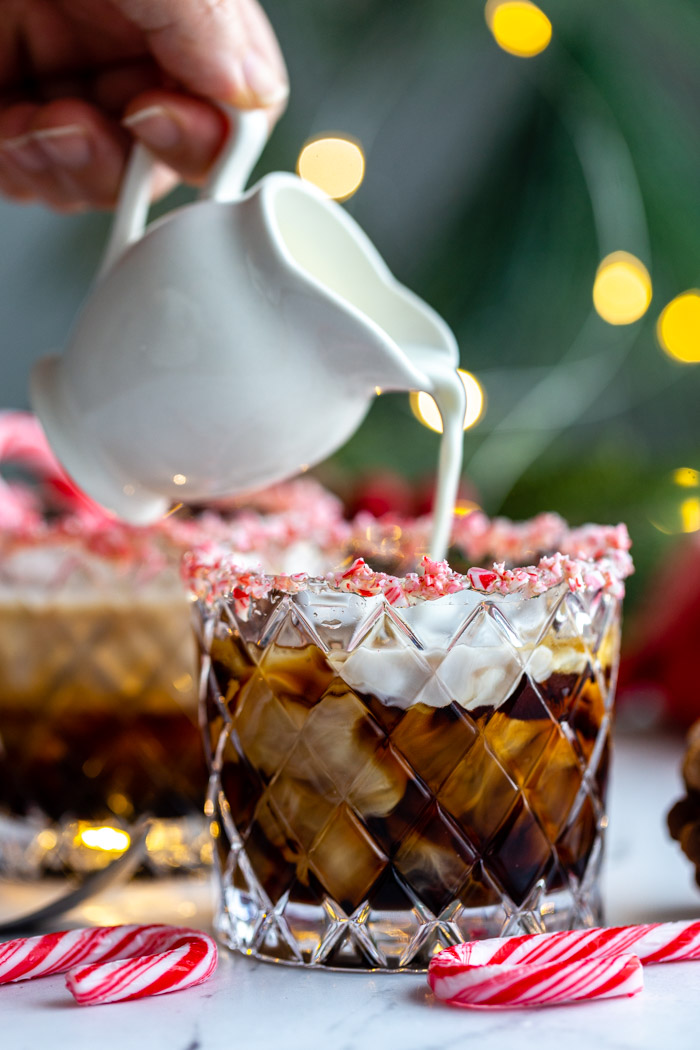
(390, 751)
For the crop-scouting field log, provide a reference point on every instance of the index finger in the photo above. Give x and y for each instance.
(225, 50)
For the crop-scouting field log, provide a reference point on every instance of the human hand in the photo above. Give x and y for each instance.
(79, 79)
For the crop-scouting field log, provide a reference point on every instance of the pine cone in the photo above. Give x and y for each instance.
(684, 817)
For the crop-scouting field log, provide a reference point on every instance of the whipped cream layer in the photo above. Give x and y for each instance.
(469, 676)
(462, 648)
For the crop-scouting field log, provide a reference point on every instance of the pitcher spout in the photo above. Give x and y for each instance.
(404, 341)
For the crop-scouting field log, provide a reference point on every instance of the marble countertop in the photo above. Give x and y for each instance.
(259, 1006)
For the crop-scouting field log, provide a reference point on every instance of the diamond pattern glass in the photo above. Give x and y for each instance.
(387, 782)
(98, 720)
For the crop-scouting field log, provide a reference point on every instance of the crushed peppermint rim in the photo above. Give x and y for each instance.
(218, 549)
(54, 513)
(592, 557)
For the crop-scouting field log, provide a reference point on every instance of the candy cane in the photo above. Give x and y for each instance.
(23, 441)
(118, 962)
(558, 967)
(535, 985)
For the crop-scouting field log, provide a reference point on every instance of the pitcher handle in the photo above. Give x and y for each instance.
(248, 133)
(245, 141)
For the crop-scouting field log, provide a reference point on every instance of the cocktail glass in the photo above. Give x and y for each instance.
(98, 708)
(387, 781)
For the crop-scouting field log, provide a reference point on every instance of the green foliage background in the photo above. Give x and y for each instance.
(494, 186)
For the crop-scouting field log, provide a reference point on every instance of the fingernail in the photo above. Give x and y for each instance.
(268, 84)
(25, 154)
(155, 126)
(67, 146)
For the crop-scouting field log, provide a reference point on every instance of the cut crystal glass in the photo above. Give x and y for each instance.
(386, 782)
(98, 714)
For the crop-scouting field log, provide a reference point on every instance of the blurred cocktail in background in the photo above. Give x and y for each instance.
(98, 719)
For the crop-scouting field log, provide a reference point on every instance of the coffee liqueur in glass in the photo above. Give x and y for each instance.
(396, 769)
(98, 710)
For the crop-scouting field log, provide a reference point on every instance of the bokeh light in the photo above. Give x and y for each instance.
(47, 839)
(119, 804)
(678, 327)
(464, 507)
(104, 838)
(686, 477)
(622, 288)
(675, 506)
(690, 514)
(336, 165)
(518, 26)
(166, 837)
(426, 411)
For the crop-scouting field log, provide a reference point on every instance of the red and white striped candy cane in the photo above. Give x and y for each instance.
(109, 964)
(23, 441)
(536, 984)
(558, 967)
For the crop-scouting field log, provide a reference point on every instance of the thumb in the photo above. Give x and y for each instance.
(224, 50)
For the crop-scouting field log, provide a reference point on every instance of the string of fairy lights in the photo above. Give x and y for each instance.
(622, 290)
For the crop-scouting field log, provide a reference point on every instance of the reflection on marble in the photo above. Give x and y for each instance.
(260, 1006)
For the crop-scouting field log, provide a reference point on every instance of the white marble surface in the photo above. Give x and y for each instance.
(257, 1006)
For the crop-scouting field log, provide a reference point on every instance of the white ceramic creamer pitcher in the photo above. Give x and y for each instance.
(232, 343)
